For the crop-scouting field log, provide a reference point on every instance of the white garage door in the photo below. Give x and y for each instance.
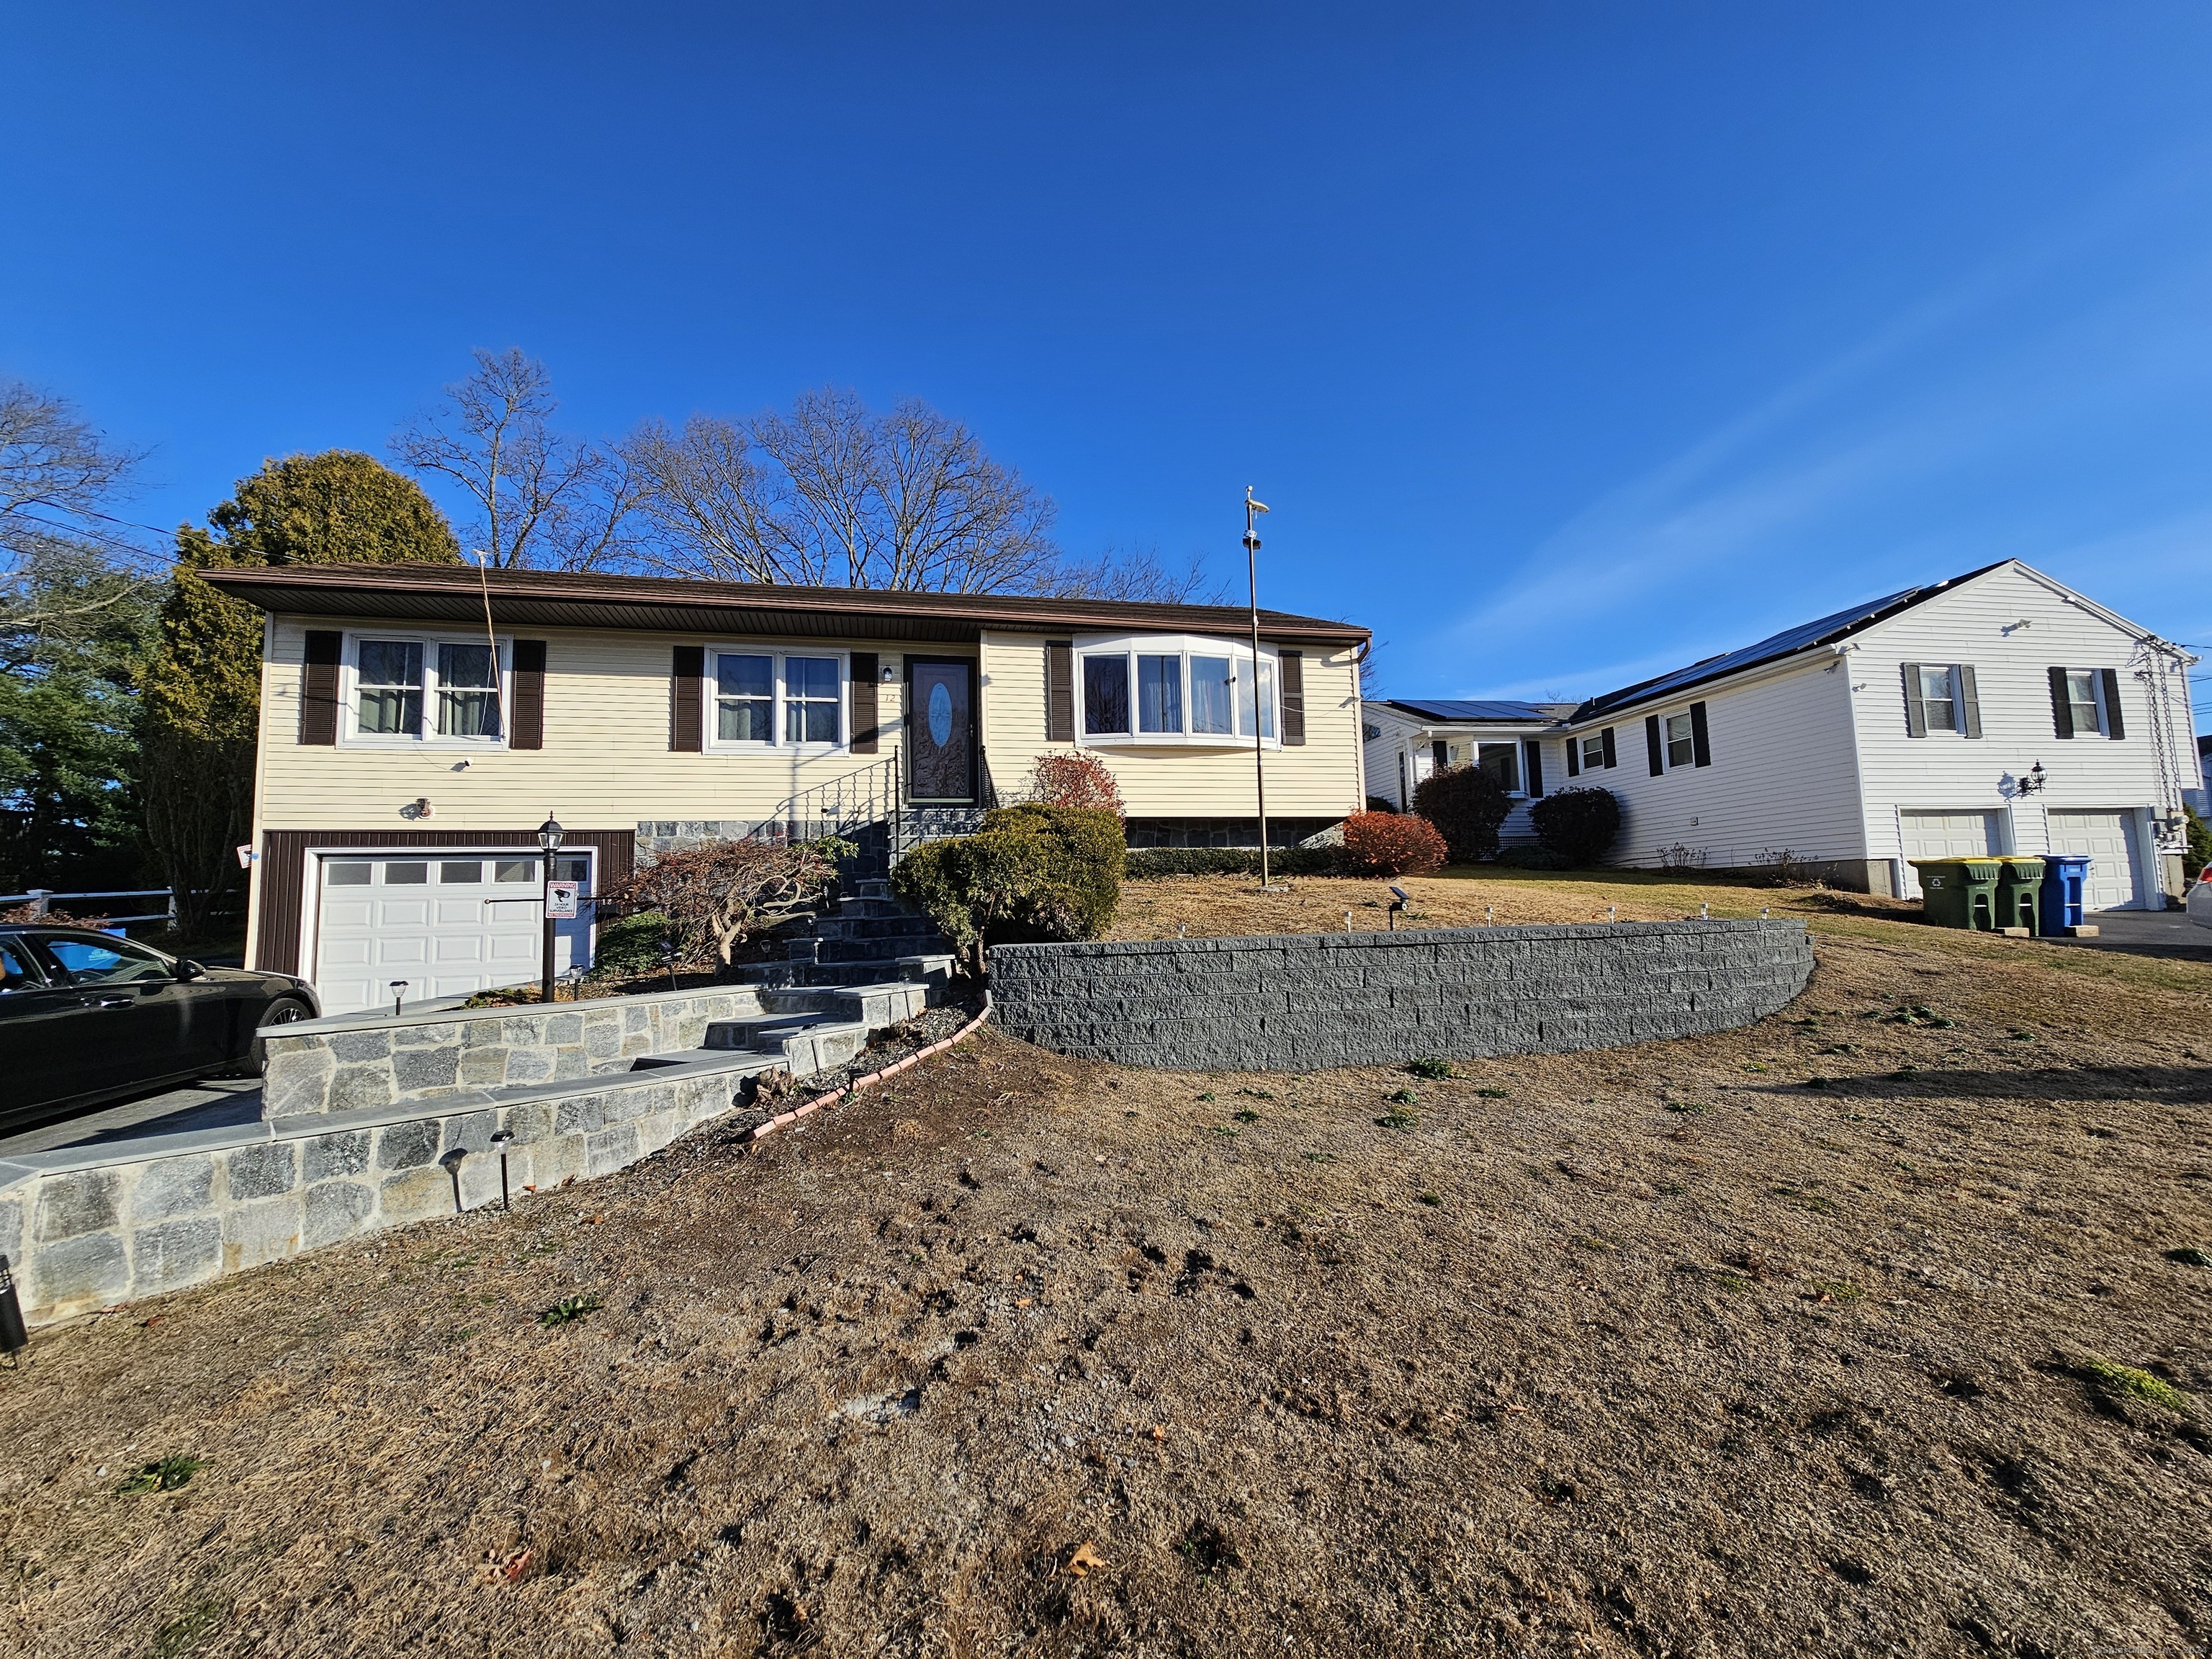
(1945, 835)
(2105, 837)
(447, 923)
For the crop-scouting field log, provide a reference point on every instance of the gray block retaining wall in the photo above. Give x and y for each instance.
(87, 1227)
(1303, 1002)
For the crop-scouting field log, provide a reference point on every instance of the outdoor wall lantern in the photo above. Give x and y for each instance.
(2034, 782)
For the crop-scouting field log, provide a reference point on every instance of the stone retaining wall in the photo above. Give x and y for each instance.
(1304, 1002)
(358, 1062)
(90, 1226)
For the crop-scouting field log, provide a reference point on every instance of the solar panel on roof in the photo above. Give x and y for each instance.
(1778, 645)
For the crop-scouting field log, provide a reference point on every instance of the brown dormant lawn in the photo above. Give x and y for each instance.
(1871, 1329)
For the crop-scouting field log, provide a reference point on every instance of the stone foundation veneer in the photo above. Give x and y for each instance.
(357, 1062)
(1304, 1002)
(90, 1226)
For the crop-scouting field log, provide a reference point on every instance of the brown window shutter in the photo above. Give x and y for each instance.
(686, 688)
(318, 688)
(863, 702)
(1294, 695)
(528, 715)
(1060, 691)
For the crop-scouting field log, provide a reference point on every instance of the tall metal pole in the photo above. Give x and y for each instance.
(1252, 511)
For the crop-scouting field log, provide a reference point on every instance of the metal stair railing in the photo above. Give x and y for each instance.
(871, 794)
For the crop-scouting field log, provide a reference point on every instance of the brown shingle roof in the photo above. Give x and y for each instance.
(435, 592)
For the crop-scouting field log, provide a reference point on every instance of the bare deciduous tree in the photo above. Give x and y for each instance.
(1140, 574)
(542, 498)
(58, 475)
(833, 495)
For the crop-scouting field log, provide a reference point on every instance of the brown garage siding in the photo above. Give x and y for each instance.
(284, 860)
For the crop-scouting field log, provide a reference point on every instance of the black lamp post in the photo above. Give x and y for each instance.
(549, 837)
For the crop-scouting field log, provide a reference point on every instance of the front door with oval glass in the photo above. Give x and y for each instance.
(941, 730)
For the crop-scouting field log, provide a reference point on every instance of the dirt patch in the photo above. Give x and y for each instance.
(1854, 1331)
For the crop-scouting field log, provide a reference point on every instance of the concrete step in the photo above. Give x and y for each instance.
(754, 1033)
(896, 925)
(932, 970)
(752, 1066)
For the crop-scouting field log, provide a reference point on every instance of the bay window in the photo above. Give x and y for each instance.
(1175, 691)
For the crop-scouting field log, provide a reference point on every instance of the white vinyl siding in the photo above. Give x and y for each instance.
(1786, 780)
(1980, 623)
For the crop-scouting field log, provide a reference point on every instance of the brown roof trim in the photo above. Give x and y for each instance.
(676, 604)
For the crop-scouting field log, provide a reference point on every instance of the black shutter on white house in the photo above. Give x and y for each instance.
(527, 717)
(2115, 727)
(1533, 747)
(1293, 673)
(1652, 750)
(1060, 691)
(686, 716)
(318, 688)
(1970, 701)
(1574, 757)
(1701, 744)
(2062, 706)
(1612, 759)
(1916, 711)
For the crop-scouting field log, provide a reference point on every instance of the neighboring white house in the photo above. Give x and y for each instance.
(1998, 712)
(1408, 740)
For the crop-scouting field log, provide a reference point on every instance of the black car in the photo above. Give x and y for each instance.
(87, 1016)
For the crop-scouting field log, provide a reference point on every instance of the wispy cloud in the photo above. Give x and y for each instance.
(1878, 468)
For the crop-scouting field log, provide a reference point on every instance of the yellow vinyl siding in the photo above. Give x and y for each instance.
(1319, 778)
(605, 765)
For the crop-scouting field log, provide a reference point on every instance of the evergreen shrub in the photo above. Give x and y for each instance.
(1467, 806)
(1581, 825)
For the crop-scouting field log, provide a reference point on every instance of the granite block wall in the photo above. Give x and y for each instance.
(359, 1062)
(1304, 1002)
(90, 1226)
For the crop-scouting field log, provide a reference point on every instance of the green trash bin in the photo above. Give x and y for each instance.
(2020, 893)
(1959, 892)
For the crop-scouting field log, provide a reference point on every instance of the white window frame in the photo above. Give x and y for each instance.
(1130, 646)
(1590, 751)
(778, 743)
(351, 736)
(1667, 740)
(1956, 695)
(2096, 676)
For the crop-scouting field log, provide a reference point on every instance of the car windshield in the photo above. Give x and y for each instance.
(106, 961)
(16, 972)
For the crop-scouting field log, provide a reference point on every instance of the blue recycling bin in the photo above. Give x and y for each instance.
(2064, 876)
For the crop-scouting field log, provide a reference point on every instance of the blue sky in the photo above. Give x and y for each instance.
(1568, 342)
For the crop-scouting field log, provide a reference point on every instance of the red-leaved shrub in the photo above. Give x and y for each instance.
(1391, 844)
(1075, 780)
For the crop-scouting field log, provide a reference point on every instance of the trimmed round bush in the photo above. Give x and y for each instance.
(1467, 806)
(1146, 863)
(1581, 825)
(1076, 780)
(1035, 874)
(1391, 844)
